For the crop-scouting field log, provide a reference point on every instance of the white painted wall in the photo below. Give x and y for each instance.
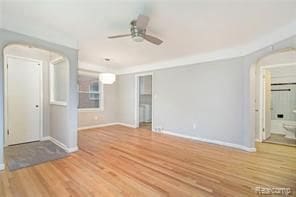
(1, 13)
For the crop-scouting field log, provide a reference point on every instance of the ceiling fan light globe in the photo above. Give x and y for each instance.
(138, 38)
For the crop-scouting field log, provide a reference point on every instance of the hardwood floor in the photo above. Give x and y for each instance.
(145, 125)
(120, 161)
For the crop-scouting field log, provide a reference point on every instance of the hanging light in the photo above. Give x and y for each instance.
(107, 78)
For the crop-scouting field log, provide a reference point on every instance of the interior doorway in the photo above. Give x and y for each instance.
(33, 83)
(24, 95)
(278, 104)
(35, 86)
(144, 101)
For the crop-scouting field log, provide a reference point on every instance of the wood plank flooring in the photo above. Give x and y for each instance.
(121, 161)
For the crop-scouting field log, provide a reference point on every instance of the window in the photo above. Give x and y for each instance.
(58, 81)
(94, 93)
(90, 91)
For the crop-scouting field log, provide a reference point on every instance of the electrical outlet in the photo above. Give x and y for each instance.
(158, 129)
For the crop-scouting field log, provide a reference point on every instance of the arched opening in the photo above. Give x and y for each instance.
(36, 97)
(274, 87)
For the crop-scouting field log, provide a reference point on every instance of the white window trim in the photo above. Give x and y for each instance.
(93, 92)
(101, 92)
(51, 82)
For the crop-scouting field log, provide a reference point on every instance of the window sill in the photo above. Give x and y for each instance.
(60, 103)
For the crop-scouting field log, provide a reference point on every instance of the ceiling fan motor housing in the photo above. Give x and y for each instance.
(137, 34)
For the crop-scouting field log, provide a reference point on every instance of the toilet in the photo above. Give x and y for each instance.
(290, 129)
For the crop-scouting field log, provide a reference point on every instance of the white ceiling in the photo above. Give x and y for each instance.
(187, 27)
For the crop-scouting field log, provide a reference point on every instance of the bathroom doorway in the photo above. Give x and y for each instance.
(278, 104)
(144, 101)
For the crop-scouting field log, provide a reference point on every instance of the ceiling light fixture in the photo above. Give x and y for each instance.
(138, 38)
(107, 78)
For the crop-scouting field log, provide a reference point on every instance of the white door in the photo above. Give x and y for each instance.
(23, 100)
(267, 104)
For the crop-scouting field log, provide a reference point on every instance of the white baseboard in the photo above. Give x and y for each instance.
(237, 146)
(106, 125)
(97, 126)
(126, 125)
(2, 166)
(72, 150)
(60, 144)
(45, 138)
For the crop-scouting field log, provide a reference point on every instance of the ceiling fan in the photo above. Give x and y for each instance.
(138, 31)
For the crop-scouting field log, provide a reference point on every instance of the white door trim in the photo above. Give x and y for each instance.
(136, 118)
(6, 91)
(262, 98)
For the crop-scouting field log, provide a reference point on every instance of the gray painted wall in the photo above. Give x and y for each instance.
(208, 95)
(108, 115)
(70, 125)
(126, 99)
(218, 97)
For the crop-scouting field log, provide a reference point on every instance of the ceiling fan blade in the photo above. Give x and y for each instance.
(142, 21)
(119, 36)
(153, 39)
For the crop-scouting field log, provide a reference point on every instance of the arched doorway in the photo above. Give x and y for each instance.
(36, 97)
(274, 81)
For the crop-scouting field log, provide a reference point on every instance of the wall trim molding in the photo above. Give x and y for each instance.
(90, 67)
(72, 150)
(126, 125)
(2, 166)
(45, 138)
(232, 145)
(60, 144)
(106, 125)
(96, 126)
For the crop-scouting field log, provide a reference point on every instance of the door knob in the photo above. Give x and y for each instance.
(36, 106)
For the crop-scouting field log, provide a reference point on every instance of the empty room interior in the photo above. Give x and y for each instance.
(147, 98)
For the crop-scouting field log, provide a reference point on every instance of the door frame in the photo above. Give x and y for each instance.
(262, 96)
(137, 100)
(6, 93)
